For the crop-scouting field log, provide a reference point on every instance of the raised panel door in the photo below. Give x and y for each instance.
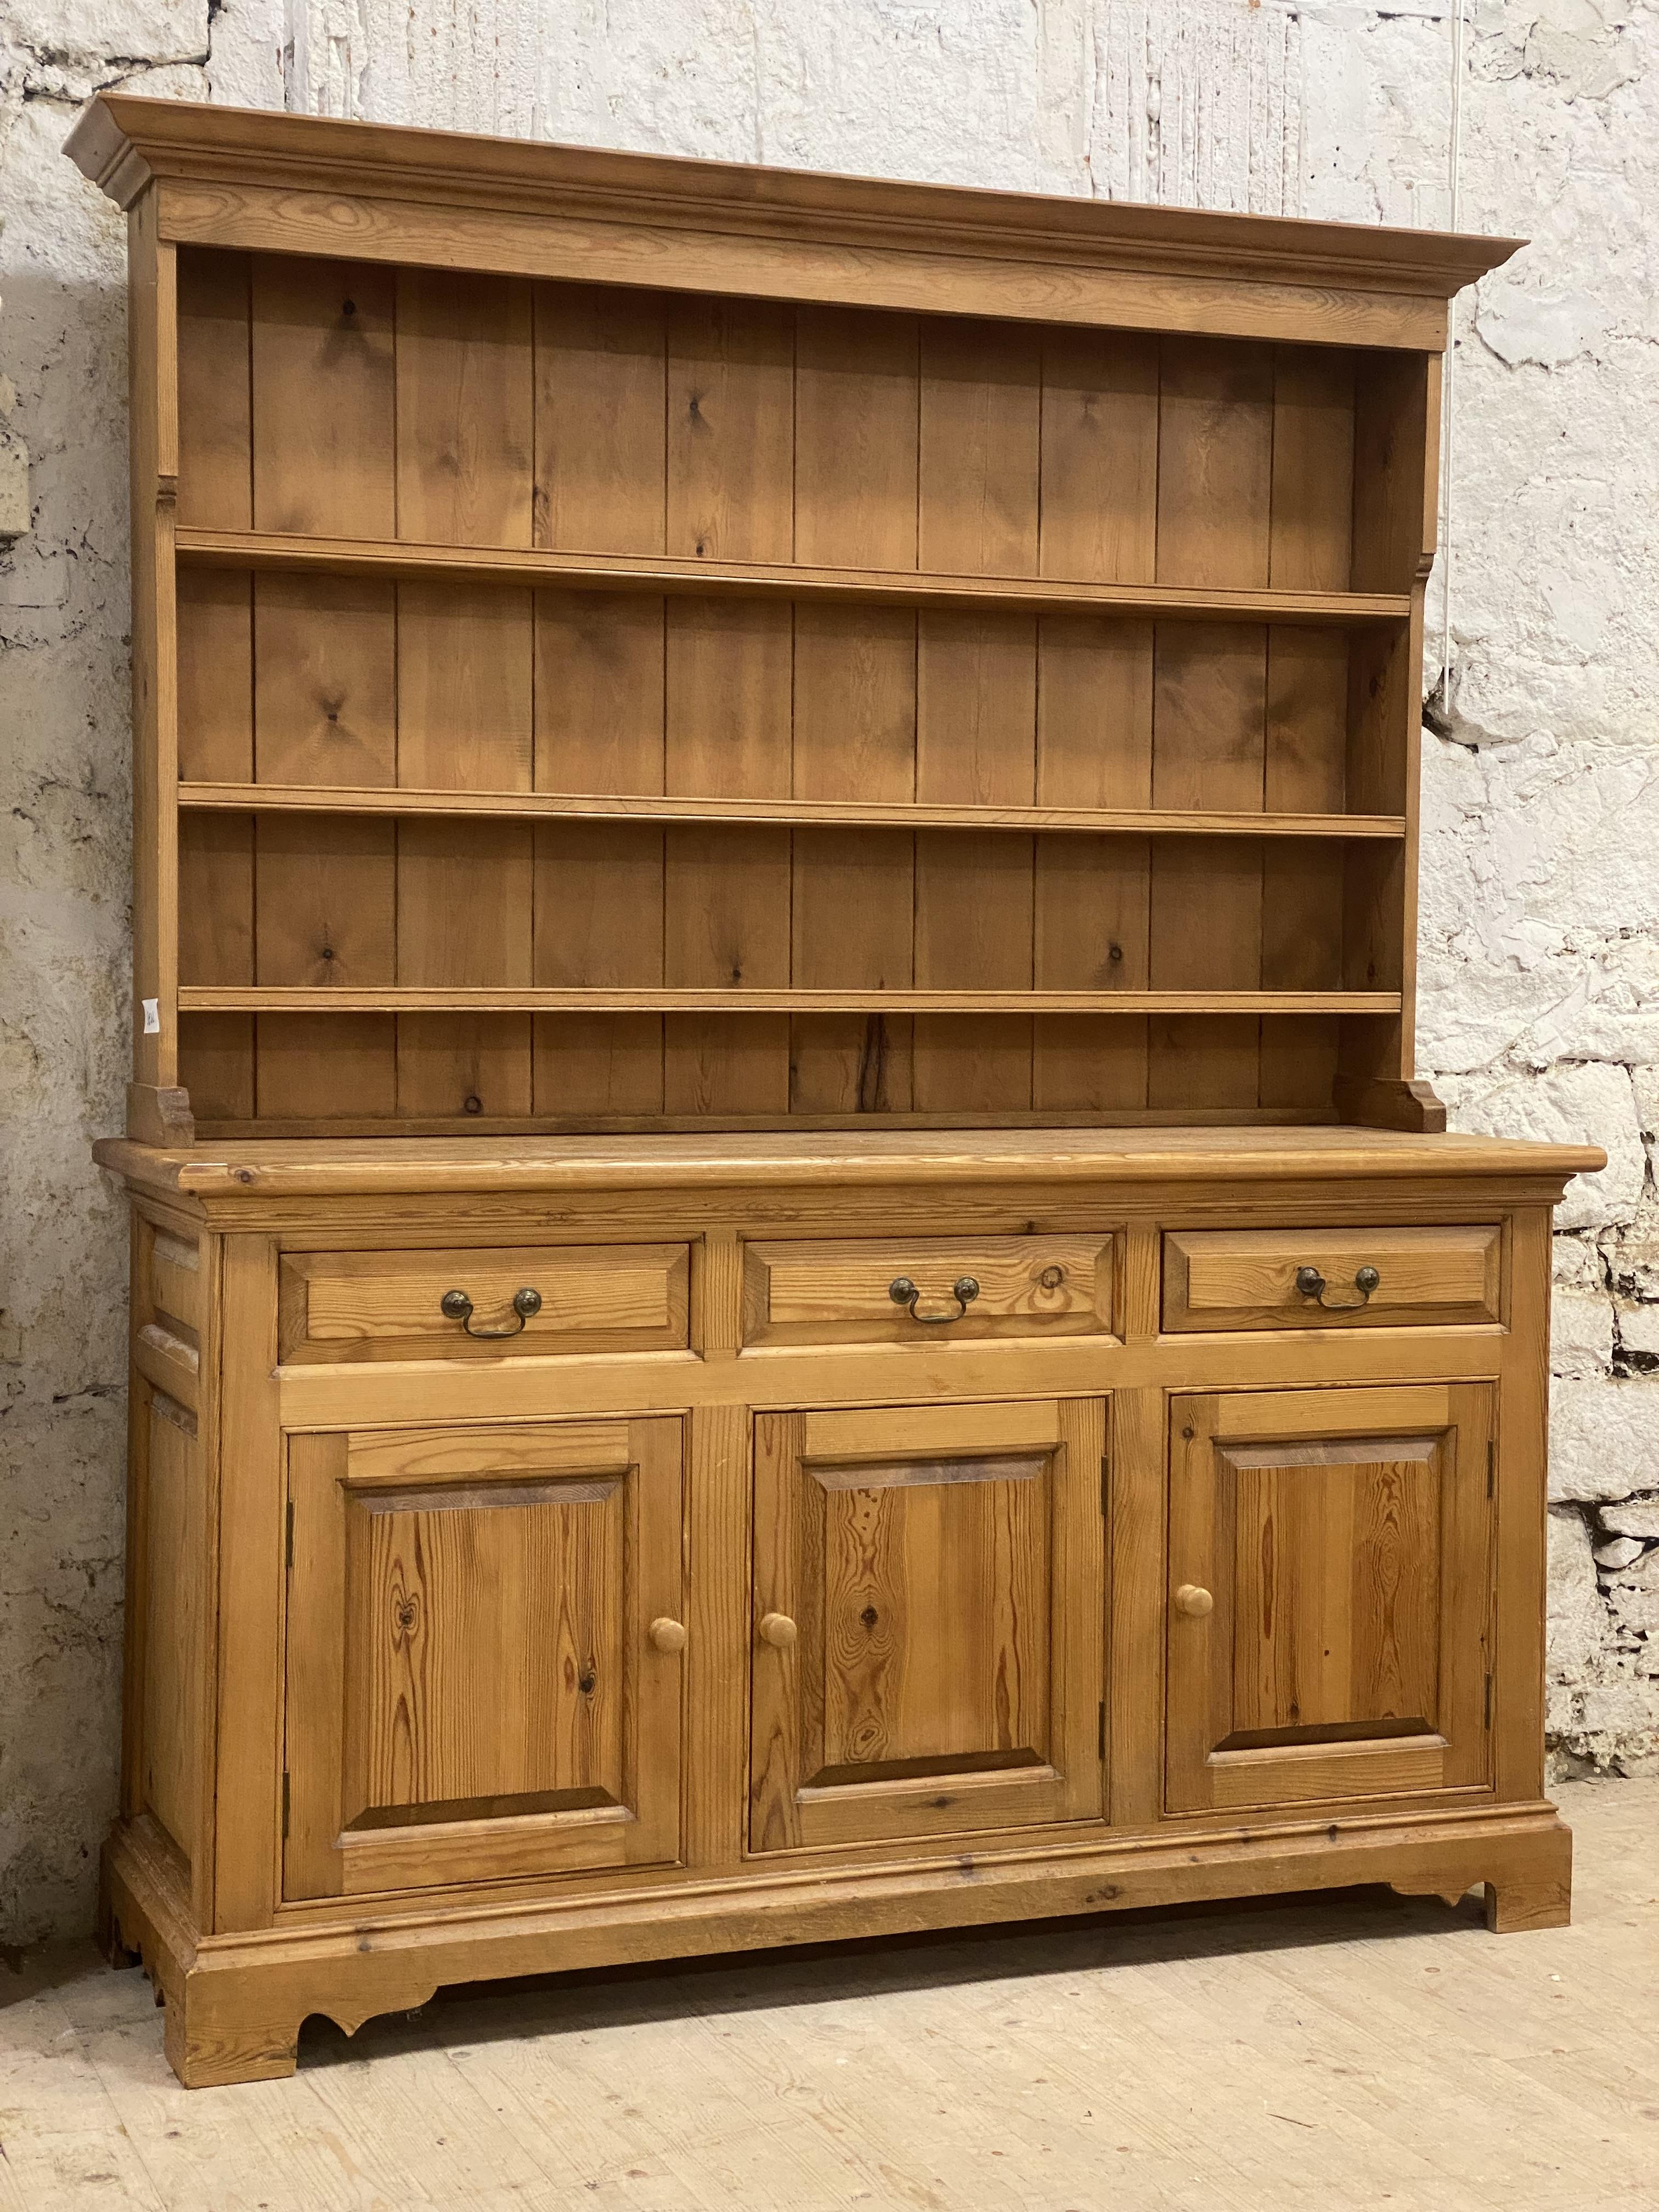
(928, 1621)
(1330, 1594)
(484, 1677)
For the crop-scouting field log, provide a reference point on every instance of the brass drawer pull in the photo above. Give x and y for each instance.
(903, 1292)
(455, 1305)
(1311, 1284)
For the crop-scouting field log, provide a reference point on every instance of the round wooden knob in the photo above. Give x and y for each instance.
(668, 1635)
(777, 1630)
(1190, 1599)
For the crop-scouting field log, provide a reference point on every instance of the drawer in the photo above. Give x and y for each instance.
(1366, 1278)
(847, 1292)
(391, 1305)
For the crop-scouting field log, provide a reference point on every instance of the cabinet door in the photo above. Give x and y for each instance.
(1330, 1594)
(928, 1621)
(474, 1691)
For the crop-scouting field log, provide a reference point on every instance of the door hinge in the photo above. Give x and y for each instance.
(1106, 1482)
(1103, 1728)
(1487, 1723)
(288, 1545)
(285, 1795)
(1491, 1466)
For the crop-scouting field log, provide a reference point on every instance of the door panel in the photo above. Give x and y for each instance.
(473, 1690)
(1330, 1579)
(928, 1621)
(1337, 1586)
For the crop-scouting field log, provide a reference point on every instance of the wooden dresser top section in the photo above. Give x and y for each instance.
(252, 180)
(388, 1165)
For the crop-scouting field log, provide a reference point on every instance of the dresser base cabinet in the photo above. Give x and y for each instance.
(234, 2004)
(735, 1606)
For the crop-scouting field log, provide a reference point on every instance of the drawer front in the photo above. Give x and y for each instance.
(391, 1305)
(1331, 1278)
(844, 1293)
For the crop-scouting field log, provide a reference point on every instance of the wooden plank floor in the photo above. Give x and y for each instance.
(1359, 2052)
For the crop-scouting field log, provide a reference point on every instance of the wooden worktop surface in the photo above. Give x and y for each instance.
(389, 1164)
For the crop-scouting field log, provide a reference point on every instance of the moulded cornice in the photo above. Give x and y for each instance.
(121, 142)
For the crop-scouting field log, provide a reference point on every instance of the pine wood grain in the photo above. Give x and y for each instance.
(852, 922)
(598, 685)
(466, 407)
(1310, 542)
(1300, 1166)
(858, 398)
(423, 1568)
(923, 1692)
(1210, 720)
(170, 1783)
(1100, 431)
(465, 890)
(325, 694)
(1348, 1631)
(1247, 1278)
(325, 407)
(600, 404)
(1313, 468)
(466, 920)
(753, 231)
(688, 575)
(215, 898)
(247, 1514)
(153, 470)
(215, 485)
(730, 430)
(975, 744)
(728, 997)
(1215, 463)
(848, 812)
(326, 904)
(731, 444)
(1091, 915)
(323, 373)
(857, 388)
(980, 416)
(215, 675)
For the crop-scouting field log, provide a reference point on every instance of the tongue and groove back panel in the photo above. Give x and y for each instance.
(331, 401)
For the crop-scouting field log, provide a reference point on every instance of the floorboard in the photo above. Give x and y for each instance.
(1337, 2054)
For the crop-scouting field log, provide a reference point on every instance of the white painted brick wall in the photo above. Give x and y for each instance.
(1540, 922)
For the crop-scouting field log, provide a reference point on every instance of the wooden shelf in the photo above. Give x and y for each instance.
(202, 998)
(804, 813)
(595, 572)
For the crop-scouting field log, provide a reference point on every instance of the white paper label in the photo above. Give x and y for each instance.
(152, 1017)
